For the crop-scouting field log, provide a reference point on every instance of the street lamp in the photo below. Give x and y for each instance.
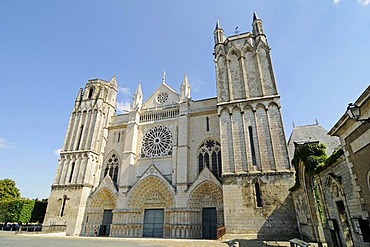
(353, 111)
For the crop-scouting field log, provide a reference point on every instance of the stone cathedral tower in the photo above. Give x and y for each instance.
(255, 165)
(79, 165)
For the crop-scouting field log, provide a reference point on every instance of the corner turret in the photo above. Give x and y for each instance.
(218, 34)
(257, 27)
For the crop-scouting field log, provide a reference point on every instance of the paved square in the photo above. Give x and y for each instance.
(10, 239)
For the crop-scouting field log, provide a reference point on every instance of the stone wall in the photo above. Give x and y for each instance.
(74, 199)
(274, 219)
(336, 185)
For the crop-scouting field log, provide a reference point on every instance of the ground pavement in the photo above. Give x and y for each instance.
(10, 239)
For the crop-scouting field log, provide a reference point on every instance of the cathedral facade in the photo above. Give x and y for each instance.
(176, 167)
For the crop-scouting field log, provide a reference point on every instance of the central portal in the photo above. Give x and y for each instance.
(153, 223)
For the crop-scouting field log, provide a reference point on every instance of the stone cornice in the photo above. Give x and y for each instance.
(259, 174)
(77, 152)
(256, 99)
(71, 186)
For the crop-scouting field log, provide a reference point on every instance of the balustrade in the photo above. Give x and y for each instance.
(159, 115)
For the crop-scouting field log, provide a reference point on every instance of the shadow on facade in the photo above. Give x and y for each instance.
(281, 224)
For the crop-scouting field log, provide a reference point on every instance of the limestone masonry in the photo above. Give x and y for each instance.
(176, 167)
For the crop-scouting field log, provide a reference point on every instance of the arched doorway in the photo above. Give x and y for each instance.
(152, 197)
(99, 215)
(208, 198)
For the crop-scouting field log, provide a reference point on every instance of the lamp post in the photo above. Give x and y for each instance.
(353, 111)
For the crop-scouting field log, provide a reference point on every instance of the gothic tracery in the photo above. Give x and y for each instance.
(157, 142)
(209, 155)
(111, 167)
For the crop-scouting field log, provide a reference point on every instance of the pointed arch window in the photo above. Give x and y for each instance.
(209, 155)
(111, 168)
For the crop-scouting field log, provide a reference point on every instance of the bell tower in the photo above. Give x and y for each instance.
(79, 164)
(255, 166)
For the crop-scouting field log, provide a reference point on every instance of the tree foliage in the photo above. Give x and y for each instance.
(313, 157)
(26, 211)
(16, 210)
(8, 189)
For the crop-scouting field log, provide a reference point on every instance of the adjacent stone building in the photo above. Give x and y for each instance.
(351, 187)
(305, 199)
(176, 167)
(332, 205)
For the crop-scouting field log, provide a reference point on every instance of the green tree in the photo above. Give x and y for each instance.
(26, 210)
(16, 210)
(8, 189)
(4, 210)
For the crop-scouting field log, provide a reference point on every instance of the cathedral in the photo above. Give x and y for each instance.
(175, 167)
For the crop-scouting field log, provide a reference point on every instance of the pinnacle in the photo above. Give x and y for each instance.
(114, 80)
(185, 80)
(164, 77)
(255, 17)
(217, 25)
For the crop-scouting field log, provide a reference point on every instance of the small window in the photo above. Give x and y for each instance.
(71, 174)
(91, 92)
(207, 123)
(258, 195)
(251, 141)
(80, 137)
(119, 137)
(63, 205)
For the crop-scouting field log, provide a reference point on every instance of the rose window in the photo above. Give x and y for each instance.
(162, 97)
(157, 142)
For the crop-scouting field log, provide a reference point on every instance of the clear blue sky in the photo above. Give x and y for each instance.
(48, 49)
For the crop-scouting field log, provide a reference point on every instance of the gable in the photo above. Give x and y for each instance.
(163, 96)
